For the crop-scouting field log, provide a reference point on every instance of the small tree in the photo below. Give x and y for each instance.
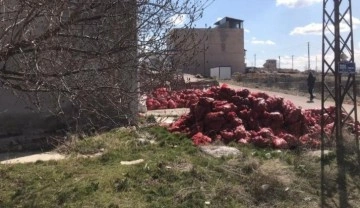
(80, 59)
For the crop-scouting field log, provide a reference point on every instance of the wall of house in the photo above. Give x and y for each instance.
(225, 47)
(211, 48)
(22, 125)
(20, 118)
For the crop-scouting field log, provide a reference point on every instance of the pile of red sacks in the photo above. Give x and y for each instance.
(221, 113)
(161, 98)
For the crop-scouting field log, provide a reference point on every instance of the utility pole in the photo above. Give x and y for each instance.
(279, 63)
(308, 55)
(337, 39)
(255, 60)
(204, 49)
(204, 67)
(292, 62)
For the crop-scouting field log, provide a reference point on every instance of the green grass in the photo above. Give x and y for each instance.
(174, 174)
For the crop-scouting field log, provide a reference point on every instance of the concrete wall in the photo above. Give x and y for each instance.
(20, 118)
(212, 48)
(22, 126)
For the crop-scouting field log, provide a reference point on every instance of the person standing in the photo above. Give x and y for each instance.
(311, 84)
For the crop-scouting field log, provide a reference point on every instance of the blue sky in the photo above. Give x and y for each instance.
(282, 28)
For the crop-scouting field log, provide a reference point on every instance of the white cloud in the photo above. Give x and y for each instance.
(296, 3)
(178, 20)
(316, 28)
(312, 29)
(355, 21)
(247, 31)
(262, 42)
(219, 18)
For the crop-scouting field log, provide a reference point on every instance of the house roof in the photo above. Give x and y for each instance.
(229, 19)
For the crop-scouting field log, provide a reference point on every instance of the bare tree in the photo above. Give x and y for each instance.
(80, 58)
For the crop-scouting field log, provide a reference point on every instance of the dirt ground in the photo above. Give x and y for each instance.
(294, 84)
(288, 83)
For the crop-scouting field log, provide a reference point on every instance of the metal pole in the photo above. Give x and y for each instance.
(255, 60)
(205, 41)
(292, 62)
(279, 63)
(354, 91)
(204, 68)
(323, 72)
(337, 43)
(308, 55)
(340, 152)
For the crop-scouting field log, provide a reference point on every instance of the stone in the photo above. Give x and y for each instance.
(265, 187)
(133, 162)
(143, 141)
(31, 158)
(317, 153)
(220, 151)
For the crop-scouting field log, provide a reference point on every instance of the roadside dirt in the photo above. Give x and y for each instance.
(291, 83)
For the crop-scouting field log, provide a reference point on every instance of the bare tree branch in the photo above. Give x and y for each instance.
(85, 58)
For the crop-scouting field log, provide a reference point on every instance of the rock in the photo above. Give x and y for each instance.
(132, 128)
(307, 199)
(143, 141)
(265, 187)
(268, 155)
(317, 153)
(133, 162)
(101, 152)
(219, 151)
(30, 158)
(145, 138)
(183, 167)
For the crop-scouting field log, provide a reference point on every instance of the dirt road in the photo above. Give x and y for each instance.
(299, 101)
